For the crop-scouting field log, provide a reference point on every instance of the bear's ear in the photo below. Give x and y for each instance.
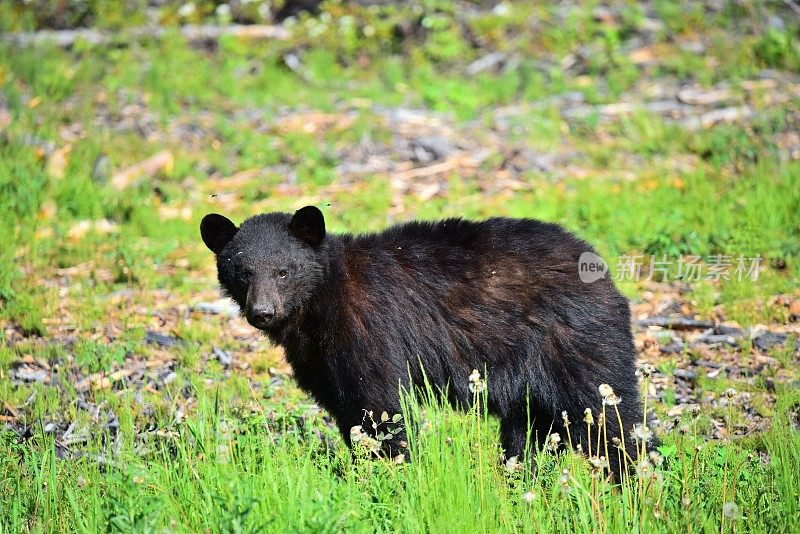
(217, 231)
(308, 225)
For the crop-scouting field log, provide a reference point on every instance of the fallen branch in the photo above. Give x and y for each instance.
(431, 170)
(712, 118)
(450, 164)
(192, 33)
(159, 162)
(676, 323)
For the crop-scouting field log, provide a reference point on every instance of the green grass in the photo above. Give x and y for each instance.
(240, 448)
(225, 471)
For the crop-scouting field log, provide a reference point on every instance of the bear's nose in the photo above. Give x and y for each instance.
(262, 314)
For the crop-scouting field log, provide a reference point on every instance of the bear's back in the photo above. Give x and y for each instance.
(452, 251)
(484, 282)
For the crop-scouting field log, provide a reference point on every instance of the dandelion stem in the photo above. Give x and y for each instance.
(589, 439)
(605, 432)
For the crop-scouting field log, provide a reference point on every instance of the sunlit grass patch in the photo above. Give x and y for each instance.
(208, 470)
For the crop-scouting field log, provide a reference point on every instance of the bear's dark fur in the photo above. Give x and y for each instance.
(359, 316)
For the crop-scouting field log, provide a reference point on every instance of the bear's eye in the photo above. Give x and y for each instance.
(282, 273)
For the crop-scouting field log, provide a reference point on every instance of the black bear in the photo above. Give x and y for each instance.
(359, 316)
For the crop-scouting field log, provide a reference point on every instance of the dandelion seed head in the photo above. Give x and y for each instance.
(563, 481)
(656, 458)
(512, 465)
(605, 390)
(476, 384)
(730, 393)
(565, 418)
(683, 429)
(587, 416)
(730, 510)
(598, 463)
(642, 432)
(612, 400)
(644, 468)
(528, 496)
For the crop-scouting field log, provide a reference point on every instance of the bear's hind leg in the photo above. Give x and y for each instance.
(513, 437)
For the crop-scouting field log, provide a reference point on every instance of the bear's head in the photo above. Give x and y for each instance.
(270, 265)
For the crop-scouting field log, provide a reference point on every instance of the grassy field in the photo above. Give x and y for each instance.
(132, 399)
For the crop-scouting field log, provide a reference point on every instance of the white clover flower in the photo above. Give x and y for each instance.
(360, 438)
(553, 441)
(501, 10)
(528, 496)
(605, 390)
(223, 11)
(357, 433)
(187, 9)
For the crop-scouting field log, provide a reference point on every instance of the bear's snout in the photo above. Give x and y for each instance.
(261, 312)
(261, 315)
